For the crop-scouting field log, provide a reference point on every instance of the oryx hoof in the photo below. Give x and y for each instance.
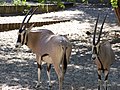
(38, 85)
(49, 87)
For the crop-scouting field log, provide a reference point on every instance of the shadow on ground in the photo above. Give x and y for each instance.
(19, 70)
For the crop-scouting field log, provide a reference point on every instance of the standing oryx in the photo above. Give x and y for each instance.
(102, 54)
(48, 47)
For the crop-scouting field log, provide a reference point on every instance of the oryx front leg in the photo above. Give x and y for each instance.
(99, 80)
(48, 73)
(106, 79)
(39, 71)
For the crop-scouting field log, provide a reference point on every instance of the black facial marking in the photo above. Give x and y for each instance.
(26, 40)
(19, 38)
(21, 30)
(95, 50)
(23, 38)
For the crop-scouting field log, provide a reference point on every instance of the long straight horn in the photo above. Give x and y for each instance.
(25, 18)
(30, 17)
(101, 29)
(95, 30)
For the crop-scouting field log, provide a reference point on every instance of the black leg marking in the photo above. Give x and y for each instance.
(99, 77)
(106, 77)
(44, 56)
(48, 67)
(39, 66)
(98, 87)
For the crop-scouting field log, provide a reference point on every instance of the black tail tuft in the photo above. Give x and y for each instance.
(64, 62)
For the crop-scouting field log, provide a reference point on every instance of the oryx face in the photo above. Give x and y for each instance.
(95, 51)
(23, 31)
(21, 40)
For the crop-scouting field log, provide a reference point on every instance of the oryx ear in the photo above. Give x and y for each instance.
(31, 27)
(88, 33)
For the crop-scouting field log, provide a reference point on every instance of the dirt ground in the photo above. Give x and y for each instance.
(18, 70)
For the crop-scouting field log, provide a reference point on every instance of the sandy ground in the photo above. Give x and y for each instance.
(18, 70)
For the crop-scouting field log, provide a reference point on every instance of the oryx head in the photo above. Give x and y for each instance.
(96, 44)
(23, 31)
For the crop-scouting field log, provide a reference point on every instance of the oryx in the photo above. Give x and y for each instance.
(48, 47)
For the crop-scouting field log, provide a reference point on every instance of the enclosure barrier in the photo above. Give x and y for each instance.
(12, 26)
(21, 10)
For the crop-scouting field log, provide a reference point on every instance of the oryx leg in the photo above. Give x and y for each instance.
(39, 70)
(99, 80)
(48, 73)
(106, 79)
(59, 74)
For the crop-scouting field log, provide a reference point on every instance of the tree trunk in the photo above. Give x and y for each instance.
(117, 11)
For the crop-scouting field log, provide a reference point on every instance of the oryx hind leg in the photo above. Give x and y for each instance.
(48, 74)
(59, 74)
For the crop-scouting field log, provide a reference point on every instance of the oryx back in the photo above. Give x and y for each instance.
(45, 43)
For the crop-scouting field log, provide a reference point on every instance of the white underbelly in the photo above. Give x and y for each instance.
(47, 59)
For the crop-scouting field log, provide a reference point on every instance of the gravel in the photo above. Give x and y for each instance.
(18, 70)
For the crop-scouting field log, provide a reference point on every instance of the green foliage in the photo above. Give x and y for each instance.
(41, 1)
(23, 2)
(60, 4)
(101, 0)
(1, 2)
(85, 1)
(16, 2)
(114, 3)
(19, 2)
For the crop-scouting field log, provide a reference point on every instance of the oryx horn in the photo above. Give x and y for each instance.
(100, 30)
(95, 30)
(23, 23)
(30, 16)
(25, 18)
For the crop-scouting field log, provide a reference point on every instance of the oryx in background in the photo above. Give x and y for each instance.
(48, 47)
(102, 54)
